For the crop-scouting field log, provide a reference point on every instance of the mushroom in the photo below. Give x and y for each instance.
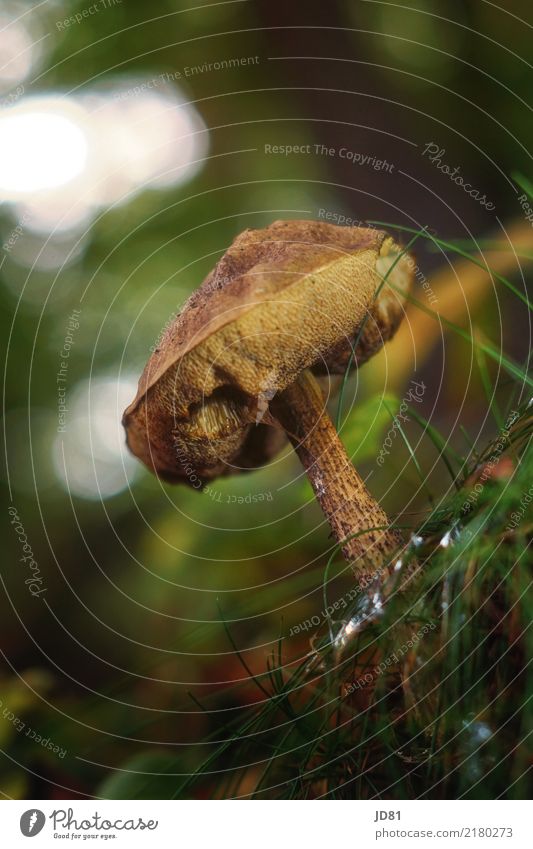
(238, 367)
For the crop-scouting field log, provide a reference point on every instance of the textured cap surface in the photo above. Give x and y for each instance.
(289, 297)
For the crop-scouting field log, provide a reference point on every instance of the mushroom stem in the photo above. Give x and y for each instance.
(346, 502)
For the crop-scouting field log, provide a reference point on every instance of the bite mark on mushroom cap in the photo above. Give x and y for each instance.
(281, 300)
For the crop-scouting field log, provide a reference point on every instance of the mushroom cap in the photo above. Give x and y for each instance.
(282, 299)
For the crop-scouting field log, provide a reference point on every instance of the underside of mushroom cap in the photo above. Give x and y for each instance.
(289, 297)
(395, 270)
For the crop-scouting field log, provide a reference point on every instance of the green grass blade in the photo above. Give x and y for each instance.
(450, 246)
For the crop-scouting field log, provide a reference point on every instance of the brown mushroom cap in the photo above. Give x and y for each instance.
(289, 297)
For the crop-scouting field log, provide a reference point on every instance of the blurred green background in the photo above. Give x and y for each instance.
(133, 153)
